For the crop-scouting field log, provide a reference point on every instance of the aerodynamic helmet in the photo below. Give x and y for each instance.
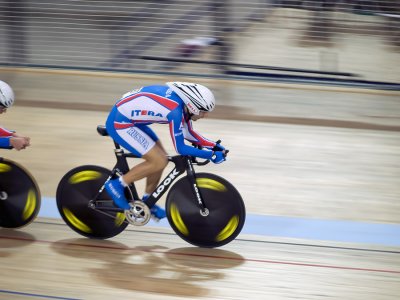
(6, 95)
(196, 96)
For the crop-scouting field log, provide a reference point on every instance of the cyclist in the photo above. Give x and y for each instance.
(10, 138)
(176, 104)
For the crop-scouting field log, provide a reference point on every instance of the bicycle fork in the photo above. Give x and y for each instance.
(192, 179)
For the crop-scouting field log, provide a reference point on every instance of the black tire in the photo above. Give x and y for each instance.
(226, 217)
(20, 198)
(75, 190)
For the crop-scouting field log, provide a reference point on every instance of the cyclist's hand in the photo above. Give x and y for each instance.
(218, 146)
(19, 143)
(218, 157)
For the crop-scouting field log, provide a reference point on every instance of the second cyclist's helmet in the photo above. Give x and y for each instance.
(6, 95)
(196, 96)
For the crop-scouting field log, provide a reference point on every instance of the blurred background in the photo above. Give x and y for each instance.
(308, 102)
(317, 63)
(340, 40)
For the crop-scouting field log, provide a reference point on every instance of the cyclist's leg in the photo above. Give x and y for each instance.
(152, 167)
(154, 164)
(132, 139)
(137, 140)
(153, 179)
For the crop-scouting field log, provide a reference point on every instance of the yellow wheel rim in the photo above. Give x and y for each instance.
(229, 229)
(177, 220)
(84, 176)
(29, 205)
(78, 224)
(119, 219)
(207, 183)
(5, 168)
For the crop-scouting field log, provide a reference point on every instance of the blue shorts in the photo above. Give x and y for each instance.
(137, 139)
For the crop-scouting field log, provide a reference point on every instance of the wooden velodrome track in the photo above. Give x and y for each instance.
(283, 170)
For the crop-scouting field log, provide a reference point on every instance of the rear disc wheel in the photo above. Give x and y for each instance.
(75, 194)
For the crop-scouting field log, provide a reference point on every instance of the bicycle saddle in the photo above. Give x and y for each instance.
(102, 130)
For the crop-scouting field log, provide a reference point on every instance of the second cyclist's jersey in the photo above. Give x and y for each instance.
(5, 136)
(159, 104)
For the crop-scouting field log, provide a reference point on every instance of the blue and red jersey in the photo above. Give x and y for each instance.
(159, 104)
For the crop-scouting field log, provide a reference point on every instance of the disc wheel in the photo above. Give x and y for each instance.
(226, 211)
(20, 198)
(74, 193)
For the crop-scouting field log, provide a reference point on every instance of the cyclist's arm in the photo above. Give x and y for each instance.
(175, 127)
(5, 136)
(193, 136)
(5, 142)
(10, 139)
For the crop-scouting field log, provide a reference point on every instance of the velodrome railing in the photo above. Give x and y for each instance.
(351, 41)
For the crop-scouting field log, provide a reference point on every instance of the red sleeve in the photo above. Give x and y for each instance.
(200, 140)
(5, 133)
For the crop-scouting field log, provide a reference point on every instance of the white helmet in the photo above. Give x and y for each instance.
(6, 95)
(196, 96)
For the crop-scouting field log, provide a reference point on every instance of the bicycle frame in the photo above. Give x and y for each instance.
(87, 208)
(182, 164)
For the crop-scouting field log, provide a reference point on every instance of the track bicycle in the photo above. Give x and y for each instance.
(203, 209)
(20, 198)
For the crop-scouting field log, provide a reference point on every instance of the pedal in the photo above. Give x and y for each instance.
(139, 213)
